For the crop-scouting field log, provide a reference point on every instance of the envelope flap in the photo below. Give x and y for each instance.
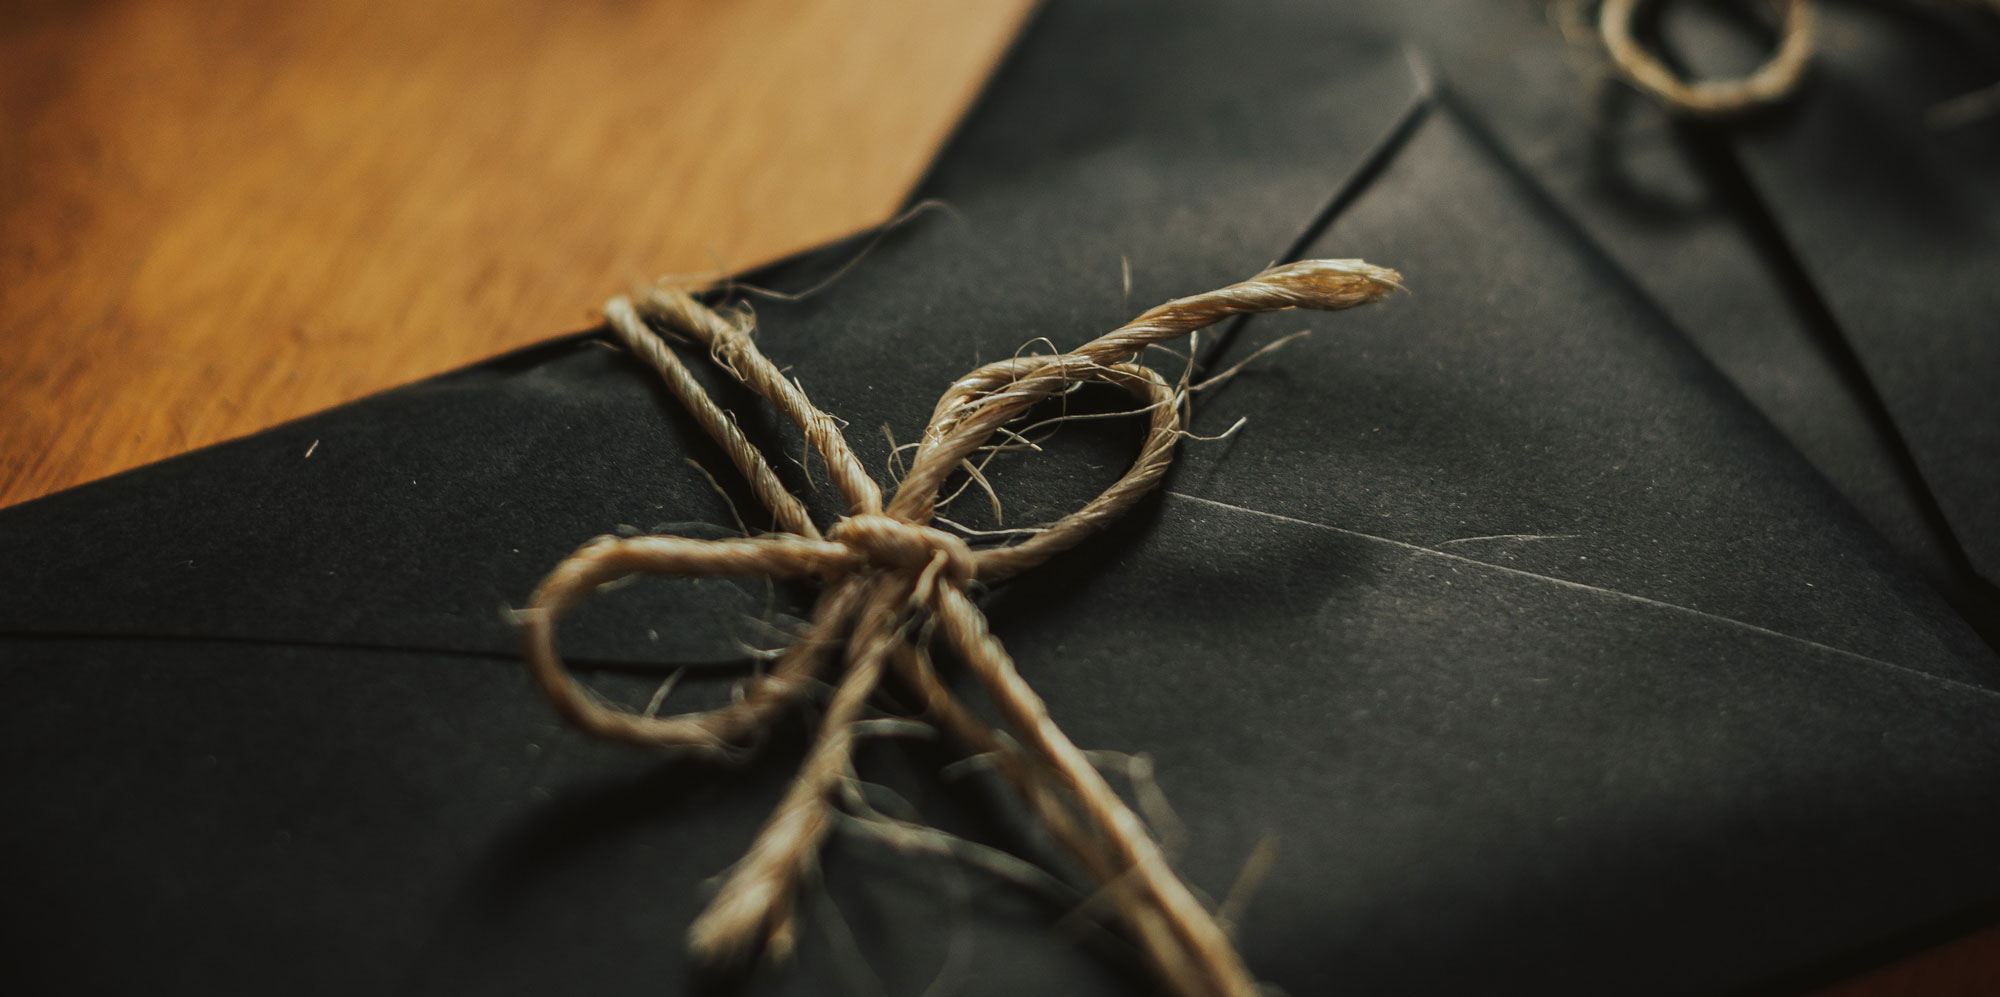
(1887, 199)
(1893, 210)
(1529, 409)
(1668, 199)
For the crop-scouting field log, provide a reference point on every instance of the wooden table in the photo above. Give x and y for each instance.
(216, 215)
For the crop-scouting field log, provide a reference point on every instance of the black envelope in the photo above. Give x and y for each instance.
(1547, 661)
(1834, 256)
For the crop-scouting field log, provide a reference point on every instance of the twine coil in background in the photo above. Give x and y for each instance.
(894, 587)
(1781, 76)
(1774, 81)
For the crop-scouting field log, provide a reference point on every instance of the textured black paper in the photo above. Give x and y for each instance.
(1833, 256)
(1910, 267)
(1549, 662)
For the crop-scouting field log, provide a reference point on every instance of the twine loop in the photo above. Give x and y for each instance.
(894, 589)
(1777, 79)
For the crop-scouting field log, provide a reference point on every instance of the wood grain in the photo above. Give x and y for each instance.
(216, 215)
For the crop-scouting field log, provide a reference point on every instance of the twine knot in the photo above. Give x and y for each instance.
(893, 545)
(884, 568)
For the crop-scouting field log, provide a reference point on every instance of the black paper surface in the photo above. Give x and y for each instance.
(1549, 662)
(1834, 256)
(1910, 267)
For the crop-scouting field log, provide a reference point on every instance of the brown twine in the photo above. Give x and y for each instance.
(1774, 81)
(894, 586)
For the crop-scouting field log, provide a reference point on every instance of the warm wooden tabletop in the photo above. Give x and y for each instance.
(216, 215)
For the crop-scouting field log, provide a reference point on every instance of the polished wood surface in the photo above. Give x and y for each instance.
(216, 215)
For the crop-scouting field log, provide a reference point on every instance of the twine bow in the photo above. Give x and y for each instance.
(895, 586)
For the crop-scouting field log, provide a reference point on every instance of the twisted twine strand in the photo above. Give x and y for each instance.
(1777, 79)
(893, 584)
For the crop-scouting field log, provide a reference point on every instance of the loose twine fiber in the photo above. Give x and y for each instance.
(894, 587)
